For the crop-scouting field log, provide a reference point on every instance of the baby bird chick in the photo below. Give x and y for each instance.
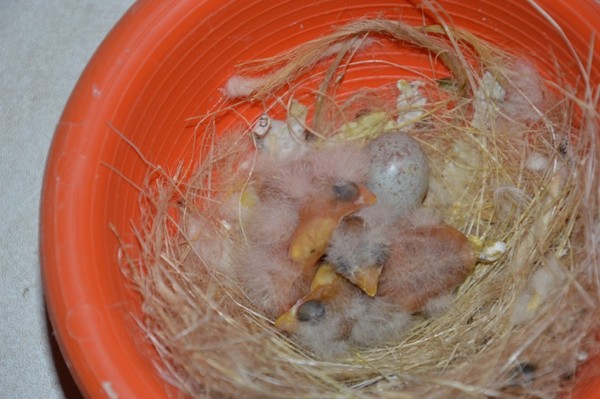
(404, 263)
(266, 274)
(336, 315)
(298, 202)
(318, 320)
(325, 185)
(275, 262)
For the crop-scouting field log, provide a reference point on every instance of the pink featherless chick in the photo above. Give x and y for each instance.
(300, 202)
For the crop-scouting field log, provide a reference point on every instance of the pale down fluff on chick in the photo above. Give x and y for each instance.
(300, 202)
(410, 262)
(425, 262)
(336, 315)
(268, 277)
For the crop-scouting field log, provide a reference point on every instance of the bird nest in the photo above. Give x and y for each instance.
(512, 161)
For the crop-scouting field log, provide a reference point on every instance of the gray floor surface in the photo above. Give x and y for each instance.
(44, 46)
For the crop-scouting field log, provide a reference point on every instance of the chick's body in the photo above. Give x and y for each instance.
(425, 262)
(268, 277)
(418, 265)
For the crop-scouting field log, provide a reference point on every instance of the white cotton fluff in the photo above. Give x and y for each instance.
(548, 279)
(509, 199)
(209, 245)
(537, 162)
(241, 86)
(524, 97)
(544, 283)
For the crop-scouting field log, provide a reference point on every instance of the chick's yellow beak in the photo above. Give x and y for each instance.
(322, 289)
(325, 276)
(366, 197)
(367, 279)
(288, 322)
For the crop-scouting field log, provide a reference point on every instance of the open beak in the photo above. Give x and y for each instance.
(367, 279)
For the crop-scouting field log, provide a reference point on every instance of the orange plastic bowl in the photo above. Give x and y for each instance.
(162, 63)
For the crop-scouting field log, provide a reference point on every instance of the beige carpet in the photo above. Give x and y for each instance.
(44, 46)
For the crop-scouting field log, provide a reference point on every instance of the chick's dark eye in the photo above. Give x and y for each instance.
(311, 311)
(347, 191)
(382, 254)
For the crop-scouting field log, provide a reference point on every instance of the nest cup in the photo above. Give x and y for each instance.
(163, 63)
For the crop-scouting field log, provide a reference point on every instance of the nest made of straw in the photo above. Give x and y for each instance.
(512, 159)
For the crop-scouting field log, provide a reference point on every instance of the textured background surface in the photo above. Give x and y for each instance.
(44, 46)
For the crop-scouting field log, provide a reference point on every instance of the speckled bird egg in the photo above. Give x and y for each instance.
(399, 172)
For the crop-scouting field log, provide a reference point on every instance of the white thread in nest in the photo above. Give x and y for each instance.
(509, 199)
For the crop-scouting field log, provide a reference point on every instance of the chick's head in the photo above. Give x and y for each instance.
(327, 297)
(358, 251)
(319, 217)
